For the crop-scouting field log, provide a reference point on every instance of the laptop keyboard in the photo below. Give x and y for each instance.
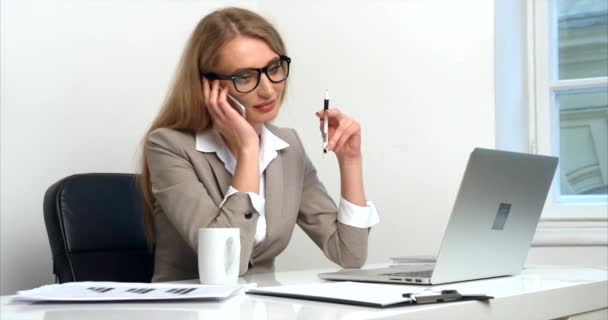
(419, 274)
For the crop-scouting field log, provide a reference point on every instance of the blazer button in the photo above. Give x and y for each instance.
(248, 215)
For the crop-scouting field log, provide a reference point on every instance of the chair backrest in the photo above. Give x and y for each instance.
(95, 228)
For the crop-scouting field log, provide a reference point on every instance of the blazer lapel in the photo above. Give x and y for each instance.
(222, 176)
(274, 200)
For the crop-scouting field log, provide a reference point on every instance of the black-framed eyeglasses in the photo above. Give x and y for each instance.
(247, 80)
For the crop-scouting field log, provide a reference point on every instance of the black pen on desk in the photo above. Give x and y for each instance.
(325, 120)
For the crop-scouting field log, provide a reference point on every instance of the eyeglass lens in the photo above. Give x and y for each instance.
(247, 80)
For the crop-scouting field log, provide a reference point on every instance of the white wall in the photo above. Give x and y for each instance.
(81, 81)
(419, 75)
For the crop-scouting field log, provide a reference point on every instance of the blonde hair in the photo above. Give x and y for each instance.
(184, 108)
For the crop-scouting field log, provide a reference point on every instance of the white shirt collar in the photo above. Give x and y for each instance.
(269, 141)
(211, 141)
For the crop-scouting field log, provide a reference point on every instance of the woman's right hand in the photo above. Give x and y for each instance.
(233, 127)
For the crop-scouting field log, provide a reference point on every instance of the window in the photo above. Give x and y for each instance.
(570, 95)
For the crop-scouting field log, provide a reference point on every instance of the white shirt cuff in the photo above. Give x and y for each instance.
(257, 201)
(356, 216)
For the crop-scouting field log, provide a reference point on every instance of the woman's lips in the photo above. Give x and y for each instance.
(266, 106)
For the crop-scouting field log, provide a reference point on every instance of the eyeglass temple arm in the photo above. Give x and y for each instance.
(215, 76)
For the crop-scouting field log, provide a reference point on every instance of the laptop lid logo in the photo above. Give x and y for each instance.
(501, 216)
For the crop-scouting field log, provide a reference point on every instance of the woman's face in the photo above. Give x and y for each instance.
(262, 104)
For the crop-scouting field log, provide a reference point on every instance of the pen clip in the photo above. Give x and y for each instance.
(325, 130)
(443, 296)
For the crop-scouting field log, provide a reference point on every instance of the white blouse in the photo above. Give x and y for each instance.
(211, 141)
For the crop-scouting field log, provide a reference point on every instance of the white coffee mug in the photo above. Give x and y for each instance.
(219, 252)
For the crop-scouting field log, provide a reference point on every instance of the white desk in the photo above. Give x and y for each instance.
(537, 293)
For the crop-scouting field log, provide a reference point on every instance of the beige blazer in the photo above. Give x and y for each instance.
(189, 185)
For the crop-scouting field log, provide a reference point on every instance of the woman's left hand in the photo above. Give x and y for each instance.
(344, 134)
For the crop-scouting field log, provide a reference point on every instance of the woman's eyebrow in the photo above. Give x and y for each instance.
(273, 60)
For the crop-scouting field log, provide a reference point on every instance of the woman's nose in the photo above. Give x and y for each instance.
(265, 87)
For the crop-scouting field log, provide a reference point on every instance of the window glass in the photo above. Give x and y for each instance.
(583, 141)
(582, 38)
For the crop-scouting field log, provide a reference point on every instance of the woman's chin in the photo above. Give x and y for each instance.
(255, 117)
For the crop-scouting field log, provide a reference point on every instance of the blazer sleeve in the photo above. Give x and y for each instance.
(318, 217)
(185, 200)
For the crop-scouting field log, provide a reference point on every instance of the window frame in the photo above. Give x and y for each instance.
(544, 119)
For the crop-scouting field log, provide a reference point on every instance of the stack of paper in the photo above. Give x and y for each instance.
(124, 291)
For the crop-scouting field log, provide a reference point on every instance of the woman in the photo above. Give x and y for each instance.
(205, 165)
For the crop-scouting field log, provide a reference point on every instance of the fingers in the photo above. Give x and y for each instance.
(333, 118)
(331, 113)
(339, 132)
(209, 104)
(340, 127)
(211, 95)
(352, 130)
(206, 90)
(221, 98)
(214, 93)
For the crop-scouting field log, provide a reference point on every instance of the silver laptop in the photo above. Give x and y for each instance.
(493, 220)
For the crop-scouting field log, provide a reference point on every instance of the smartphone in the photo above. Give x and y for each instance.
(236, 105)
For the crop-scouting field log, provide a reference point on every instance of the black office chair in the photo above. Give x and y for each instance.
(95, 228)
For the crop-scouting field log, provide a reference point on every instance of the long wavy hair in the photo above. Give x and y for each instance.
(184, 107)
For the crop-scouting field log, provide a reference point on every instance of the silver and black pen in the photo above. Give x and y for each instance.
(325, 129)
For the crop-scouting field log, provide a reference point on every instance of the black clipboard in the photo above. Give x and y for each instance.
(409, 299)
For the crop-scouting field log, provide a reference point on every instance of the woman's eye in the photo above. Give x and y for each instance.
(244, 79)
(274, 68)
